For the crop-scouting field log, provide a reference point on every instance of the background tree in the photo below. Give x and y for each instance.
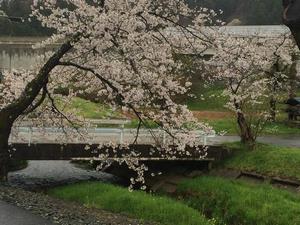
(291, 17)
(281, 74)
(251, 69)
(247, 12)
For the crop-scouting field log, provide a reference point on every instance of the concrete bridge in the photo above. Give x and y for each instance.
(50, 143)
(58, 143)
(45, 147)
(32, 144)
(67, 143)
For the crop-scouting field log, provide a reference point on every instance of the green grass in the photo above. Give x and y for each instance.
(229, 125)
(134, 123)
(206, 101)
(91, 110)
(238, 203)
(207, 98)
(265, 159)
(137, 204)
(280, 128)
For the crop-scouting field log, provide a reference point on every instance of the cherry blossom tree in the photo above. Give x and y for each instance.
(124, 50)
(253, 70)
(282, 74)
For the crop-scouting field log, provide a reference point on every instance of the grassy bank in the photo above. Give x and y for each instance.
(88, 109)
(265, 159)
(227, 201)
(239, 203)
(137, 204)
(210, 110)
(208, 99)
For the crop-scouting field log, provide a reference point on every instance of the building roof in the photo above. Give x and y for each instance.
(260, 31)
(267, 31)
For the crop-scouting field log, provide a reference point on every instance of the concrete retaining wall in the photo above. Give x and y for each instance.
(17, 52)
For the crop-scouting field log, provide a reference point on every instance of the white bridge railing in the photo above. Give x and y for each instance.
(117, 134)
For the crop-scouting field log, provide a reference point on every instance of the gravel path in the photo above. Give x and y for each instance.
(20, 216)
(57, 211)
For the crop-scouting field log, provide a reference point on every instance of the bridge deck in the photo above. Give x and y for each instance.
(53, 151)
(32, 143)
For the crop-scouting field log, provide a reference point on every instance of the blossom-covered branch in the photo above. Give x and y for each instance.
(123, 52)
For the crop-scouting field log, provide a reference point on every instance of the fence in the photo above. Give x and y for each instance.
(100, 132)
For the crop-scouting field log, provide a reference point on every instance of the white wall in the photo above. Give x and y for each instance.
(17, 53)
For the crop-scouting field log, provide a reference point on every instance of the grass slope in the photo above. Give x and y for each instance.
(239, 203)
(137, 204)
(207, 98)
(210, 99)
(266, 159)
(90, 110)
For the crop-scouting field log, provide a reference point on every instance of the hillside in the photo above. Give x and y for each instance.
(248, 12)
(236, 12)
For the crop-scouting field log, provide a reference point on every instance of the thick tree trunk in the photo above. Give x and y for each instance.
(292, 76)
(246, 134)
(11, 112)
(296, 34)
(291, 17)
(5, 129)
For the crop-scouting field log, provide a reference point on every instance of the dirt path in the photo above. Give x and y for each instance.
(212, 115)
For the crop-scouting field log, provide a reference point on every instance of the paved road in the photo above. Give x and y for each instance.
(287, 141)
(12, 215)
(107, 135)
